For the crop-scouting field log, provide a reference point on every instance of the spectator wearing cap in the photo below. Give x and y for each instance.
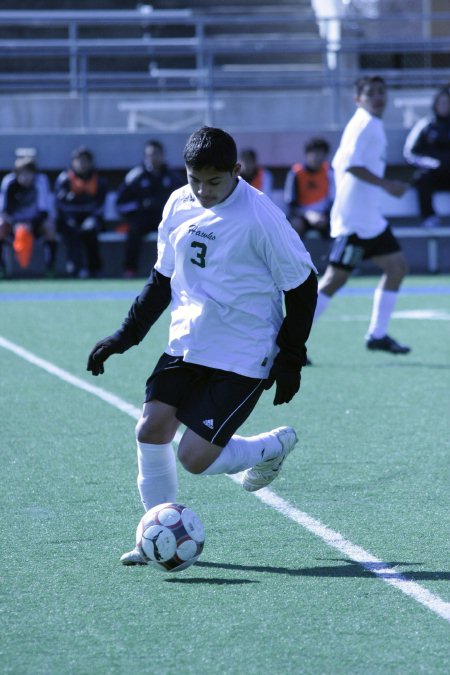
(26, 214)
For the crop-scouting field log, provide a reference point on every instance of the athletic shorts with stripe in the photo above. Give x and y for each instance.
(213, 403)
(347, 252)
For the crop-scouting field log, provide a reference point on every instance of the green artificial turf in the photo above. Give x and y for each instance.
(267, 595)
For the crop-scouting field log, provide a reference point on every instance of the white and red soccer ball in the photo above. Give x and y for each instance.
(170, 537)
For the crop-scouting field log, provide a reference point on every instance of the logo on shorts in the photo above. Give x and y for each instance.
(209, 424)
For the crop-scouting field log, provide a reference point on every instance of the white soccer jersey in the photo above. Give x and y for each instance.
(357, 205)
(228, 267)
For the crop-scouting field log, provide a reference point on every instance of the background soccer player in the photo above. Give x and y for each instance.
(358, 227)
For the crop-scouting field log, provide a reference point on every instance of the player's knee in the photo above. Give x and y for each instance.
(145, 432)
(403, 267)
(139, 430)
(331, 283)
(190, 460)
(398, 269)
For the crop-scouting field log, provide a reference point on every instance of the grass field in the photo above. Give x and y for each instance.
(342, 566)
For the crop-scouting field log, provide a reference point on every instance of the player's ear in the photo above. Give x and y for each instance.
(236, 170)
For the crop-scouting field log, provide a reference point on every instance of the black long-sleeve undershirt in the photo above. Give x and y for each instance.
(300, 306)
(145, 310)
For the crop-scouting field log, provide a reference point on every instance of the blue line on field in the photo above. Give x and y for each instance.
(130, 295)
(68, 295)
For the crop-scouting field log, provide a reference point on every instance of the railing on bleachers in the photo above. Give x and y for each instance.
(201, 53)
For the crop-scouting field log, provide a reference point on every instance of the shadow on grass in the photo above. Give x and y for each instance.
(217, 581)
(348, 569)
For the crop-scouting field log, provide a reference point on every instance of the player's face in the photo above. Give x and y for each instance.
(211, 186)
(315, 159)
(25, 178)
(153, 157)
(442, 105)
(82, 165)
(248, 166)
(373, 98)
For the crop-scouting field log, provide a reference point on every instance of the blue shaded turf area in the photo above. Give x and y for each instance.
(114, 294)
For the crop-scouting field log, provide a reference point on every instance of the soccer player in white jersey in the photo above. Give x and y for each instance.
(226, 257)
(358, 227)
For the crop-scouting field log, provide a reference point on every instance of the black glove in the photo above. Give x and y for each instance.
(102, 351)
(287, 379)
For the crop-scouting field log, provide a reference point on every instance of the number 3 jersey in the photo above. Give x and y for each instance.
(228, 266)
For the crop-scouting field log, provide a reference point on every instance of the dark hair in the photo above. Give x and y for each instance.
(83, 152)
(317, 143)
(210, 147)
(366, 81)
(153, 143)
(248, 154)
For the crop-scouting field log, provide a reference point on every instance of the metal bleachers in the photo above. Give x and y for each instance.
(206, 50)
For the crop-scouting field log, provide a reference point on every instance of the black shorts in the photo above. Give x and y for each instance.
(347, 252)
(213, 403)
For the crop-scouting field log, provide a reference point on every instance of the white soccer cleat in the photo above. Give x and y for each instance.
(264, 473)
(132, 558)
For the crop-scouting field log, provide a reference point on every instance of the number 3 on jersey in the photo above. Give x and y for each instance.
(200, 253)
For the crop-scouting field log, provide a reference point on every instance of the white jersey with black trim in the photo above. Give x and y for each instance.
(228, 266)
(357, 205)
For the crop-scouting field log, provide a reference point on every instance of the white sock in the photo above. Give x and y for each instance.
(157, 474)
(383, 306)
(241, 453)
(322, 303)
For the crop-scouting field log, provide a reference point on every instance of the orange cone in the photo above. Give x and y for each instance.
(23, 245)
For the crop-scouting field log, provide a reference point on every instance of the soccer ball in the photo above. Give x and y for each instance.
(170, 537)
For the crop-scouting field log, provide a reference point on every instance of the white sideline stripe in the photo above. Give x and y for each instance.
(334, 539)
(414, 314)
(328, 536)
(106, 396)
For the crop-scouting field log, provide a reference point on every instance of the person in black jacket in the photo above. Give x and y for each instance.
(80, 194)
(427, 147)
(141, 199)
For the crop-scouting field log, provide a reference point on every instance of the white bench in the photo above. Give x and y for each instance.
(401, 207)
(191, 111)
(408, 205)
(431, 236)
